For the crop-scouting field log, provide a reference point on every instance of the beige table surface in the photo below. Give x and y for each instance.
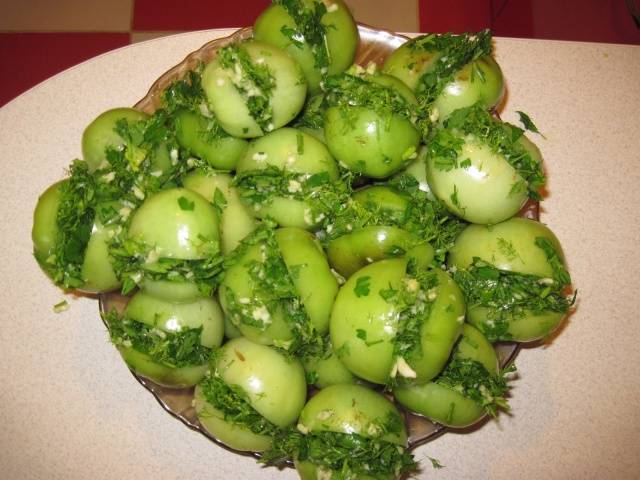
(69, 409)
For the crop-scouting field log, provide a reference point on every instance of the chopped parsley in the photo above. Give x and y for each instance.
(309, 29)
(171, 349)
(527, 123)
(362, 286)
(254, 81)
(475, 121)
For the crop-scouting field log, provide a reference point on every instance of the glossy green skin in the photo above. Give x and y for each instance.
(174, 232)
(274, 384)
(45, 228)
(235, 436)
(341, 35)
(281, 150)
(97, 271)
(483, 189)
(236, 221)
(373, 360)
(384, 198)
(329, 371)
(143, 365)
(171, 317)
(174, 291)
(349, 409)
(484, 242)
(464, 89)
(314, 282)
(222, 153)
(371, 144)
(434, 401)
(99, 134)
(230, 330)
(418, 170)
(229, 107)
(349, 253)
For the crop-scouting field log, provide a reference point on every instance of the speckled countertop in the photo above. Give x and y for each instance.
(69, 409)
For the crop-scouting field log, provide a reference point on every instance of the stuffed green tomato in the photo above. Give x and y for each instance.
(252, 393)
(448, 72)
(470, 386)
(352, 430)
(513, 276)
(321, 36)
(395, 321)
(167, 342)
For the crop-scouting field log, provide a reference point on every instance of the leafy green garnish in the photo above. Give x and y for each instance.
(346, 455)
(475, 121)
(309, 29)
(454, 52)
(528, 123)
(254, 82)
(172, 349)
(471, 379)
(232, 401)
(185, 203)
(362, 286)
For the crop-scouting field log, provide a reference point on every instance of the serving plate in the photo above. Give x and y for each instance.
(375, 46)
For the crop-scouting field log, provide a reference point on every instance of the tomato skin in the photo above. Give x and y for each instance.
(481, 192)
(435, 401)
(369, 143)
(236, 221)
(280, 149)
(329, 371)
(364, 326)
(353, 408)
(222, 153)
(341, 35)
(229, 106)
(522, 256)
(100, 134)
(173, 221)
(44, 232)
(274, 384)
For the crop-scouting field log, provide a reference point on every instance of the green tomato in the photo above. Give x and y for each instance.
(340, 34)
(97, 271)
(100, 134)
(291, 150)
(235, 436)
(174, 222)
(417, 169)
(44, 232)
(479, 82)
(144, 365)
(274, 384)
(172, 317)
(349, 253)
(311, 276)
(510, 246)
(174, 291)
(482, 191)
(327, 370)
(222, 88)
(230, 330)
(236, 221)
(192, 133)
(369, 143)
(384, 199)
(364, 325)
(443, 404)
(351, 409)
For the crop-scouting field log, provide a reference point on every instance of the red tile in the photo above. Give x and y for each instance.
(33, 57)
(456, 16)
(151, 15)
